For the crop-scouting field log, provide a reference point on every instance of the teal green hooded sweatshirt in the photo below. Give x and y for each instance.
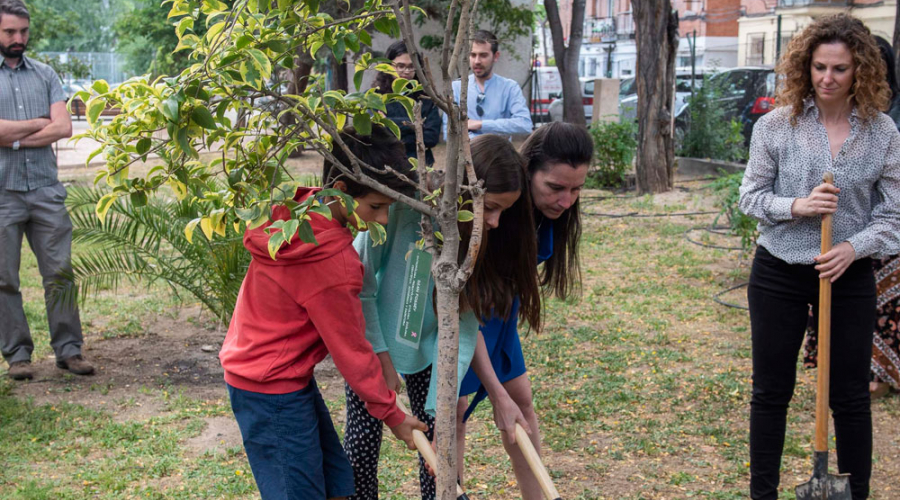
(382, 300)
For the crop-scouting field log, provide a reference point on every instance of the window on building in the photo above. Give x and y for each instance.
(593, 70)
(756, 45)
(610, 8)
(581, 67)
(785, 40)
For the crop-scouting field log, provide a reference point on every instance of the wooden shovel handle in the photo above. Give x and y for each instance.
(823, 374)
(423, 444)
(534, 461)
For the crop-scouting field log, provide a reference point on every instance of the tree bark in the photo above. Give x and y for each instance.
(656, 27)
(567, 58)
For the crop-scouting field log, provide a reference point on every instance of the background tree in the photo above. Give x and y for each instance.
(505, 19)
(147, 40)
(567, 58)
(82, 26)
(656, 30)
(230, 65)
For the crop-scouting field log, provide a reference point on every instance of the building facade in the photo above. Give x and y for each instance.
(609, 35)
(762, 39)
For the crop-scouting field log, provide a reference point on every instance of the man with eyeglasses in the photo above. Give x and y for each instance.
(495, 104)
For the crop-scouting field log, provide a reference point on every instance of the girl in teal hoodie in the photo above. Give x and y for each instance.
(508, 247)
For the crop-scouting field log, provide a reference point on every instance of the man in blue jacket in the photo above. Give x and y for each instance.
(495, 104)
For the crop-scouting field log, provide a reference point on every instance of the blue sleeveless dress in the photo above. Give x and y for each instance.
(501, 336)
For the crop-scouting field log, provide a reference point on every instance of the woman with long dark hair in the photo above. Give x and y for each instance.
(828, 119)
(558, 157)
(507, 248)
(431, 115)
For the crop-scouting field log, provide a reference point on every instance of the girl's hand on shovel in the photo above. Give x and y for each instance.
(506, 415)
(403, 431)
(822, 200)
(832, 264)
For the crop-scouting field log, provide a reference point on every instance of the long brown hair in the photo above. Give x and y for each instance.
(503, 270)
(571, 145)
(870, 90)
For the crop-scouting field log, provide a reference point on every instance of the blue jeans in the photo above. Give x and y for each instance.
(293, 449)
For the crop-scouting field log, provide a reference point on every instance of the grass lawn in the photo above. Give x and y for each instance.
(641, 387)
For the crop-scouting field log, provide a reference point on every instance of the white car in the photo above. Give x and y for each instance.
(628, 105)
(587, 100)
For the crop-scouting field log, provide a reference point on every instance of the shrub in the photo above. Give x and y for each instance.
(727, 190)
(614, 148)
(710, 133)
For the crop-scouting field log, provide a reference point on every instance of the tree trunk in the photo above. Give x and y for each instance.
(656, 27)
(567, 58)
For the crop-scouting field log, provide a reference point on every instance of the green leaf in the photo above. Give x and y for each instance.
(362, 123)
(214, 31)
(185, 24)
(314, 47)
(143, 145)
(171, 108)
(139, 198)
(358, 78)
(243, 41)
(383, 25)
(94, 107)
(248, 214)
(189, 229)
(465, 216)
(376, 233)
(375, 101)
(399, 84)
(261, 61)
(100, 87)
(365, 38)
(387, 122)
(201, 116)
(105, 203)
(306, 233)
(321, 209)
(184, 142)
(339, 49)
(178, 9)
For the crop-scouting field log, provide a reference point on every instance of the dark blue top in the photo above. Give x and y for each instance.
(501, 336)
(431, 127)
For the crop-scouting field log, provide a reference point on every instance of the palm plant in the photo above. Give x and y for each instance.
(147, 243)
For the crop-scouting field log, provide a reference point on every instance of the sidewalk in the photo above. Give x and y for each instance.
(70, 155)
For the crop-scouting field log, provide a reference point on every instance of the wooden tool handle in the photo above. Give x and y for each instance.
(534, 461)
(823, 374)
(425, 449)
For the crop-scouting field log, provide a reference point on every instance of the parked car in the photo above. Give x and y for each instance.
(628, 103)
(745, 93)
(587, 100)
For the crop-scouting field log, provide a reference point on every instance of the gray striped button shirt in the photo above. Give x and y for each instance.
(26, 92)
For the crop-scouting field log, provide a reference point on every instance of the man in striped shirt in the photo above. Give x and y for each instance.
(33, 117)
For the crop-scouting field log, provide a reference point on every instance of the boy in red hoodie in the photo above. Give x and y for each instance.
(293, 311)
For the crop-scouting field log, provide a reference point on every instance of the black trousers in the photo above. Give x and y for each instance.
(779, 295)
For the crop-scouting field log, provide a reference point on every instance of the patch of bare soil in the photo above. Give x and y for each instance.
(175, 354)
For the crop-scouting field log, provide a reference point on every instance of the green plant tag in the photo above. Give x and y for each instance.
(416, 283)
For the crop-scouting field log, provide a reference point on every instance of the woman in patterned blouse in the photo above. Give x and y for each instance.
(829, 118)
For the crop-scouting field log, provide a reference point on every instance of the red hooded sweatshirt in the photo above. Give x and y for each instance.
(291, 312)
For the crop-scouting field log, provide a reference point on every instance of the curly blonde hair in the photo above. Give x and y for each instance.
(870, 90)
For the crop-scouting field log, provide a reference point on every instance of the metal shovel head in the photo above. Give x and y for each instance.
(822, 485)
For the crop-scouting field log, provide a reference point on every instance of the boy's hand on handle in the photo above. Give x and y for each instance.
(506, 415)
(833, 263)
(404, 431)
(822, 200)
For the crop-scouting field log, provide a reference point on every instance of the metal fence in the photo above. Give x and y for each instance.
(107, 66)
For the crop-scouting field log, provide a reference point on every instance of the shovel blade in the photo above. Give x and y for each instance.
(822, 485)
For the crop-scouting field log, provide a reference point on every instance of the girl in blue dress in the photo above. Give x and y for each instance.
(558, 157)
